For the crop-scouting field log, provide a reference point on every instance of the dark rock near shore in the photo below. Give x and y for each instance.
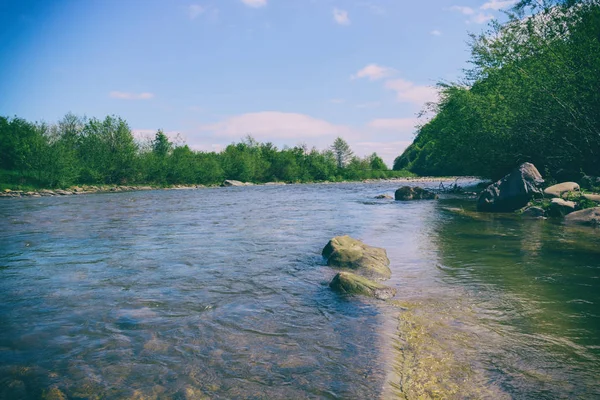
(346, 252)
(560, 207)
(589, 216)
(513, 191)
(349, 283)
(533, 212)
(414, 193)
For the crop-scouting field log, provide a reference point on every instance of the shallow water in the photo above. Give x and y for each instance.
(222, 293)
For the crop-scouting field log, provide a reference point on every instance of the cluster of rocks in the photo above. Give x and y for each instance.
(75, 190)
(364, 266)
(234, 183)
(85, 189)
(521, 191)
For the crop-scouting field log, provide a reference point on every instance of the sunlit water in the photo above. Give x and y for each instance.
(222, 293)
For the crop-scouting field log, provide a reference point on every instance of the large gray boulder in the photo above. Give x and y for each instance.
(347, 252)
(589, 216)
(561, 188)
(349, 283)
(513, 191)
(414, 193)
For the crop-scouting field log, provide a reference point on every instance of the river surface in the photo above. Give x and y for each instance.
(222, 293)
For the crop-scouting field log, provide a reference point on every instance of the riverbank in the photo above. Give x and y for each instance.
(91, 189)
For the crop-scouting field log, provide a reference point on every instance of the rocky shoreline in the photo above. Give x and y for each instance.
(92, 189)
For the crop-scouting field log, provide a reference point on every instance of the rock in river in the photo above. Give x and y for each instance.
(560, 207)
(533, 212)
(346, 252)
(589, 216)
(592, 196)
(347, 282)
(513, 191)
(414, 193)
(230, 182)
(561, 188)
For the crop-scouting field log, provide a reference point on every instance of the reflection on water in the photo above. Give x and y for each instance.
(534, 287)
(222, 293)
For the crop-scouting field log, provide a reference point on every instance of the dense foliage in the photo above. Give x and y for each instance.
(533, 94)
(92, 151)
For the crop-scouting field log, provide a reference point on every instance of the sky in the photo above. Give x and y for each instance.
(213, 71)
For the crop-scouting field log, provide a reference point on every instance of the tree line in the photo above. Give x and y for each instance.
(532, 94)
(91, 151)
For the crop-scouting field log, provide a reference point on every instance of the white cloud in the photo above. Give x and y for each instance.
(337, 101)
(397, 124)
(341, 17)
(131, 96)
(374, 72)
(194, 10)
(408, 92)
(478, 17)
(436, 32)
(498, 4)
(481, 18)
(388, 137)
(255, 3)
(274, 124)
(463, 10)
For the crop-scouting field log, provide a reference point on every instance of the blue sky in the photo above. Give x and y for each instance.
(285, 71)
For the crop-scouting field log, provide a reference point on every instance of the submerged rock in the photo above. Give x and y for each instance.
(54, 394)
(384, 196)
(589, 216)
(561, 188)
(414, 193)
(513, 191)
(347, 252)
(349, 283)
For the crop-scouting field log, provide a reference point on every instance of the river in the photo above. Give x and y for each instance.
(222, 293)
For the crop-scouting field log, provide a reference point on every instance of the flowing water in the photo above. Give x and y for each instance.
(222, 293)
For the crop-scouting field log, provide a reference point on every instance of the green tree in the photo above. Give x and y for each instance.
(529, 97)
(342, 152)
(376, 163)
(161, 146)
